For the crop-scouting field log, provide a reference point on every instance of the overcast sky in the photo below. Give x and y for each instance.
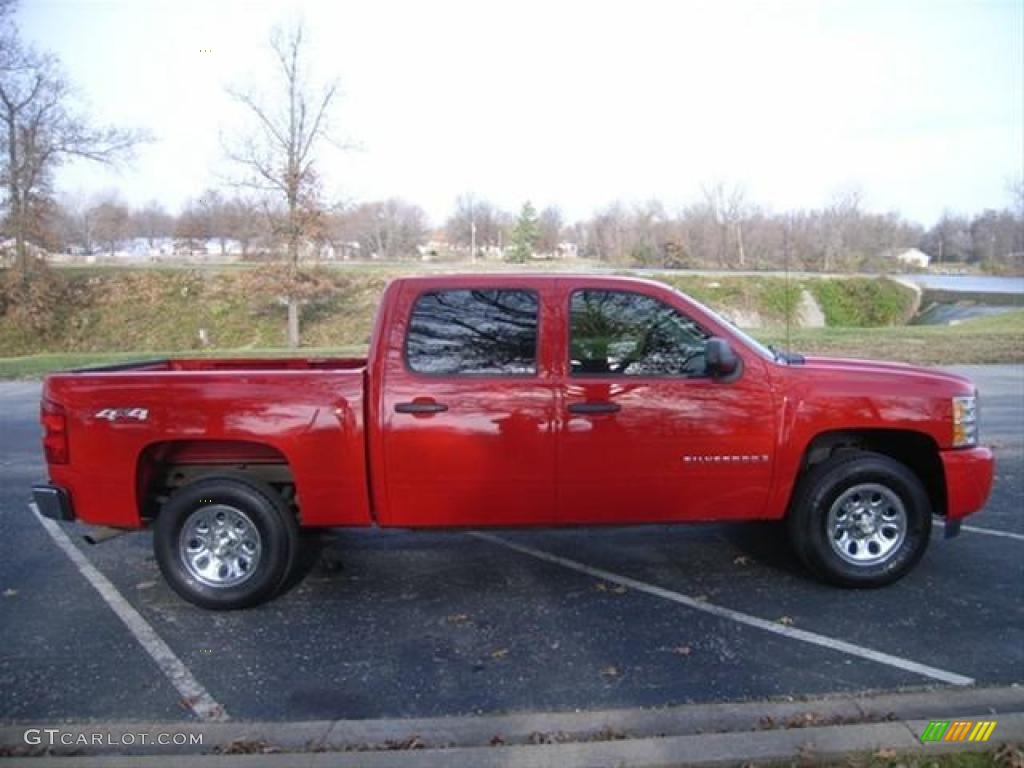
(918, 104)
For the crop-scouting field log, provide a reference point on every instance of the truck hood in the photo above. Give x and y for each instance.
(887, 370)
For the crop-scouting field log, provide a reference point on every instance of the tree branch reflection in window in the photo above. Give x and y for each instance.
(473, 332)
(630, 334)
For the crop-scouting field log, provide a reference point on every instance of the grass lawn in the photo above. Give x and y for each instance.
(994, 339)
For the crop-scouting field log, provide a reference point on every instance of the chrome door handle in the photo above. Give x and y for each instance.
(603, 407)
(420, 407)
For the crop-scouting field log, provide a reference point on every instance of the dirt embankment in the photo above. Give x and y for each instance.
(143, 310)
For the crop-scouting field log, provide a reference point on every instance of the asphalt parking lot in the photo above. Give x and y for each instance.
(396, 624)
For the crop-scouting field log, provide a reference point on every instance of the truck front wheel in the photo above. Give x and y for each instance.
(225, 542)
(860, 519)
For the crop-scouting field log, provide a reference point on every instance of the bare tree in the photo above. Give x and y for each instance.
(192, 229)
(77, 228)
(152, 223)
(111, 222)
(40, 128)
(389, 229)
(730, 211)
(1016, 189)
(478, 223)
(549, 225)
(280, 158)
(838, 219)
(243, 221)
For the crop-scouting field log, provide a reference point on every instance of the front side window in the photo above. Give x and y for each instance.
(465, 332)
(630, 334)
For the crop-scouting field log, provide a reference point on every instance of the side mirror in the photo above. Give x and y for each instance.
(719, 357)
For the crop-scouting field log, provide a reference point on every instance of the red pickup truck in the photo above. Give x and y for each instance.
(514, 400)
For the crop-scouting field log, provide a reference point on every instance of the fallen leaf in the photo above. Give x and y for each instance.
(244, 747)
(607, 734)
(10, 592)
(885, 753)
(803, 720)
(807, 751)
(785, 621)
(682, 650)
(701, 598)
(413, 742)
(741, 560)
(610, 671)
(145, 585)
(1010, 756)
(458, 618)
(501, 653)
(601, 586)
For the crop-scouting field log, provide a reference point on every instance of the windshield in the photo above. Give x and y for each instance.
(750, 341)
(765, 351)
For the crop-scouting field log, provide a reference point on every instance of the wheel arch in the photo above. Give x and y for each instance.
(165, 466)
(918, 451)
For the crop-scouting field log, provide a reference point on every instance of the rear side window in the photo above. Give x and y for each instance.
(621, 333)
(467, 332)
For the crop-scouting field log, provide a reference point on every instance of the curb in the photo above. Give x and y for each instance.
(696, 750)
(691, 735)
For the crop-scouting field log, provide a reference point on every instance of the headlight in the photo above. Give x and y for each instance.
(965, 421)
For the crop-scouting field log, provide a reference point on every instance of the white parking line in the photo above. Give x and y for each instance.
(986, 531)
(193, 694)
(742, 618)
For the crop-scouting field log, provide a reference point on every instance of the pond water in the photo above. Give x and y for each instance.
(968, 283)
(948, 314)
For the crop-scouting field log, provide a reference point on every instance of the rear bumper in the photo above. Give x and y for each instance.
(53, 502)
(969, 474)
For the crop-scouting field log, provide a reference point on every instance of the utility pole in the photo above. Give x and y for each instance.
(739, 241)
(472, 240)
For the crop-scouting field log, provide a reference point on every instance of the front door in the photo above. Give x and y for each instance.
(647, 435)
(468, 414)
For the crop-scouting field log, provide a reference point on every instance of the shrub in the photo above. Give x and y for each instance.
(863, 301)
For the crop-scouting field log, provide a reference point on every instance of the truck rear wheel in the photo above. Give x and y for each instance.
(860, 519)
(225, 542)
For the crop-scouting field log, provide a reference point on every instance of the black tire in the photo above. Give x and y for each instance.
(855, 478)
(258, 510)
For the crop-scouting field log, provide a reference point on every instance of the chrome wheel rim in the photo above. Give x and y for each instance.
(220, 546)
(867, 524)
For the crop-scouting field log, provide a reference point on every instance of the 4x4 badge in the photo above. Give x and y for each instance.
(123, 414)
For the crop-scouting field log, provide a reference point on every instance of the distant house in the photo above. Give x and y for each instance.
(913, 257)
(567, 250)
(7, 250)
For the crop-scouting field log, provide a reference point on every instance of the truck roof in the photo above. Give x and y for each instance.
(472, 279)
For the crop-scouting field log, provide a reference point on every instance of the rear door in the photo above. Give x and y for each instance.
(467, 409)
(648, 435)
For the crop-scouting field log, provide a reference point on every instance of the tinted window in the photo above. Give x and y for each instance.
(629, 334)
(473, 332)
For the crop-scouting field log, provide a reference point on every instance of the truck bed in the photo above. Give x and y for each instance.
(134, 428)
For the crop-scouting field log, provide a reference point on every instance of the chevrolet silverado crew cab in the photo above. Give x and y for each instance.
(514, 400)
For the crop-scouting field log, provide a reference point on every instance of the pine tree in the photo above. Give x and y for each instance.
(524, 234)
